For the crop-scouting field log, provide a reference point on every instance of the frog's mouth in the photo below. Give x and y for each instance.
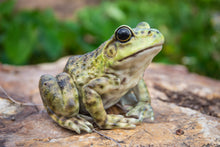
(155, 47)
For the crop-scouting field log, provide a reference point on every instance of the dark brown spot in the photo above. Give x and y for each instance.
(85, 59)
(99, 120)
(69, 123)
(76, 122)
(96, 113)
(179, 132)
(96, 53)
(88, 92)
(90, 103)
(92, 85)
(114, 124)
(62, 83)
(111, 51)
(123, 80)
(45, 84)
(101, 86)
(13, 118)
(148, 32)
(80, 84)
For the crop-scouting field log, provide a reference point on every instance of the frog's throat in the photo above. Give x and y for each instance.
(157, 46)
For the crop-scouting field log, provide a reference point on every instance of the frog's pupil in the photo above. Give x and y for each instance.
(123, 34)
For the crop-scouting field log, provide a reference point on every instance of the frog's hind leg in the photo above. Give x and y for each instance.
(60, 98)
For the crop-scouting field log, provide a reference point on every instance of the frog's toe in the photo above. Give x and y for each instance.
(85, 121)
(89, 124)
(84, 127)
(72, 126)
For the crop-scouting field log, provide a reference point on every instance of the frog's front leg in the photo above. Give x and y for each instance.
(93, 103)
(143, 107)
(60, 98)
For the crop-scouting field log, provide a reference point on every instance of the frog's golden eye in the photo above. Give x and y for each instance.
(123, 34)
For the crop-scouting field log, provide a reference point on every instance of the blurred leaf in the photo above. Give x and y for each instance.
(49, 40)
(19, 43)
(6, 7)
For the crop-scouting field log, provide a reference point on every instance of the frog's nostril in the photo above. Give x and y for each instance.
(148, 32)
(157, 32)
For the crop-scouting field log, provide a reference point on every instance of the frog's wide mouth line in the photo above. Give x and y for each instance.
(157, 46)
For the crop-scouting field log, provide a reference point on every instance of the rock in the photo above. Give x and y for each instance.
(186, 106)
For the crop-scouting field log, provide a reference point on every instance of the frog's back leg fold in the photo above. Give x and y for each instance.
(60, 98)
(59, 94)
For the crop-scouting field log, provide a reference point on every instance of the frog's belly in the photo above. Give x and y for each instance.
(113, 96)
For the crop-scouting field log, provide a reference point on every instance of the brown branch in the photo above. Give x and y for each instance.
(17, 102)
(117, 142)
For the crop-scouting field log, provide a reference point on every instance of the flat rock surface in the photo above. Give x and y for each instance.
(186, 106)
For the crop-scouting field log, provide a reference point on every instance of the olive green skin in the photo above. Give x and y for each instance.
(109, 75)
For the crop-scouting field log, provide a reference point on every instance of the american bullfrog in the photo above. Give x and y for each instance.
(111, 74)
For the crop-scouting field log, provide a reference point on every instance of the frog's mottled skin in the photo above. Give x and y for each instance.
(97, 80)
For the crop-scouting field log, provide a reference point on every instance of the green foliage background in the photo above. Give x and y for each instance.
(192, 36)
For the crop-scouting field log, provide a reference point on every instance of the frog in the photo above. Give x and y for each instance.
(78, 97)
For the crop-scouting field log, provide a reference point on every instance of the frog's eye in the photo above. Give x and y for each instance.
(123, 34)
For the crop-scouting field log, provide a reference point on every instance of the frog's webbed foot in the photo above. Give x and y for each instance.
(142, 110)
(119, 121)
(76, 124)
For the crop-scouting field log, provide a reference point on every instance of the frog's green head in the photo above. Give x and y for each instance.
(126, 44)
